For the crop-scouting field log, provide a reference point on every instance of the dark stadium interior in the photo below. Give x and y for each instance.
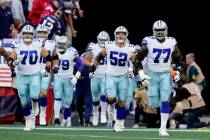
(186, 23)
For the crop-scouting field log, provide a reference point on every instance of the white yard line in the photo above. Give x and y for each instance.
(95, 136)
(104, 129)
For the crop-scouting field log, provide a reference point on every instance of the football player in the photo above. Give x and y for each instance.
(42, 34)
(64, 80)
(118, 54)
(28, 53)
(98, 80)
(159, 49)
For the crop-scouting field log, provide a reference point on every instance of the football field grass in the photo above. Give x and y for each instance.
(89, 133)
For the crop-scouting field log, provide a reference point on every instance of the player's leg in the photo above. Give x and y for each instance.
(95, 90)
(57, 90)
(130, 96)
(45, 82)
(35, 88)
(68, 97)
(123, 85)
(103, 101)
(165, 88)
(111, 89)
(153, 91)
(23, 93)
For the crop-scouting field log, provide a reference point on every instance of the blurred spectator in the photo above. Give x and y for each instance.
(36, 11)
(6, 19)
(17, 11)
(25, 4)
(150, 115)
(194, 72)
(188, 98)
(53, 24)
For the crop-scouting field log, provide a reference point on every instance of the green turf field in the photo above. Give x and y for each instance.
(81, 133)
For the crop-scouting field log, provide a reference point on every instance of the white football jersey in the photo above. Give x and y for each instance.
(29, 57)
(159, 54)
(101, 68)
(118, 58)
(66, 62)
(49, 45)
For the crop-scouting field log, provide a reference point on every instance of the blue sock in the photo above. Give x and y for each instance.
(96, 103)
(67, 113)
(103, 98)
(165, 107)
(26, 110)
(120, 113)
(35, 100)
(43, 101)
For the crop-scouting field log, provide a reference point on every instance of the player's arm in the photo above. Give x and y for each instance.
(136, 59)
(98, 58)
(139, 56)
(4, 53)
(12, 59)
(176, 58)
(176, 55)
(48, 58)
(55, 61)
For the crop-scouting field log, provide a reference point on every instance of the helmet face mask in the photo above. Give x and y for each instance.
(121, 37)
(27, 33)
(102, 37)
(121, 34)
(62, 42)
(42, 31)
(160, 29)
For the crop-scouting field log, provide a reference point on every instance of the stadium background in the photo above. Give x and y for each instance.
(186, 22)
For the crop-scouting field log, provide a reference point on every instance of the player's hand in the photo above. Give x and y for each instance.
(46, 72)
(15, 62)
(177, 76)
(74, 80)
(55, 69)
(91, 75)
(131, 75)
(144, 78)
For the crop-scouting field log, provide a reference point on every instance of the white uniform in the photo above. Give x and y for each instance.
(49, 45)
(159, 66)
(62, 85)
(101, 68)
(118, 58)
(29, 57)
(66, 64)
(159, 55)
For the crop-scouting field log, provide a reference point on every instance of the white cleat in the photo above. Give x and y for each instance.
(117, 127)
(122, 126)
(109, 122)
(163, 133)
(68, 124)
(42, 119)
(103, 117)
(63, 123)
(28, 124)
(33, 121)
(95, 119)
